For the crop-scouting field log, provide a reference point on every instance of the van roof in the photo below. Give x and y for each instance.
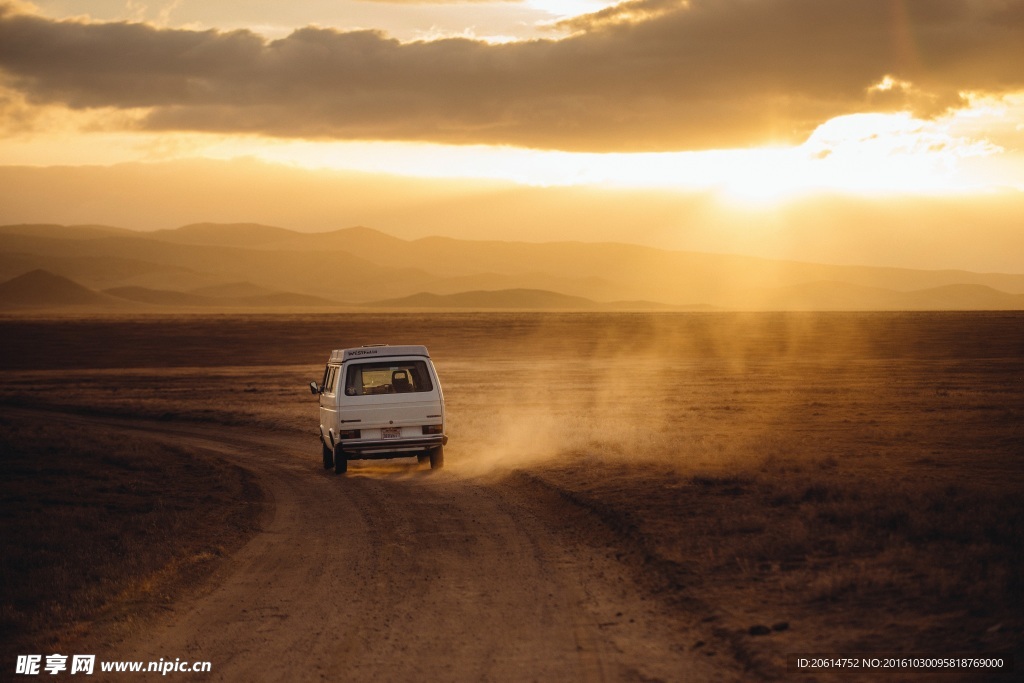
(376, 351)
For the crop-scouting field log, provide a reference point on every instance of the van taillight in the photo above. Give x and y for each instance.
(349, 434)
(433, 429)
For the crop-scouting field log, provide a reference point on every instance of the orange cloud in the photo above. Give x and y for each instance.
(646, 75)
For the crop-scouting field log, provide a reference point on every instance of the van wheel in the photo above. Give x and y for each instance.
(437, 458)
(340, 462)
(328, 457)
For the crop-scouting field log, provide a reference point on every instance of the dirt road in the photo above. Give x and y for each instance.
(394, 573)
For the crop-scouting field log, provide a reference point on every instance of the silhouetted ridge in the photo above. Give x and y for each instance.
(43, 288)
(257, 265)
(505, 298)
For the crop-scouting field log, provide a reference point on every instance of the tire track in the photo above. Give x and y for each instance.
(394, 573)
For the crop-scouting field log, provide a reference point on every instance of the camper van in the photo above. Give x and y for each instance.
(380, 401)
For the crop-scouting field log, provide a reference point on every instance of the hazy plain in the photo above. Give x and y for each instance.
(792, 482)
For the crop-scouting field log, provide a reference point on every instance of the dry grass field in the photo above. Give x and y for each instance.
(830, 483)
(99, 525)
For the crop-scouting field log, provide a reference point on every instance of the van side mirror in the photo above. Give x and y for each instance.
(313, 388)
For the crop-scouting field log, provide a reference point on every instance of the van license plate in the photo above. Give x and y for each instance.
(391, 433)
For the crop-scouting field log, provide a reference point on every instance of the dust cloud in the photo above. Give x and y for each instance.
(704, 391)
(689, 391)
(644, 390)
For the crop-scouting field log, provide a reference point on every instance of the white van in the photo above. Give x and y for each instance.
(380, 401)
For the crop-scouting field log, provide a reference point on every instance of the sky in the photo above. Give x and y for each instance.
(787, 122)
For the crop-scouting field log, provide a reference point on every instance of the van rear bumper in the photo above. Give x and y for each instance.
(378, 447)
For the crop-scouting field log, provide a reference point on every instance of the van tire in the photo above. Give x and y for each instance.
(328, 457)
(437, 458)
(340, 462)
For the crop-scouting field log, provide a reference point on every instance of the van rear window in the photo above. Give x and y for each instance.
(389, 377)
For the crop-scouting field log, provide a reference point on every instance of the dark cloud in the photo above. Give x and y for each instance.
(649, 74)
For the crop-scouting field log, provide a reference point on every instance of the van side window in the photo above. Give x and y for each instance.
(329, 379)
(387, 377)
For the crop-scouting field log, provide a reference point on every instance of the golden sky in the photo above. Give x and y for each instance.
(760, 105)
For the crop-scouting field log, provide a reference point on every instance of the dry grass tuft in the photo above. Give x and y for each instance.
(844, 557)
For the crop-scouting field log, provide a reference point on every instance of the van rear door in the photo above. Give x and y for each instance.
(389, 398)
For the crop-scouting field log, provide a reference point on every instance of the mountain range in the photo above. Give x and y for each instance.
(251, 266)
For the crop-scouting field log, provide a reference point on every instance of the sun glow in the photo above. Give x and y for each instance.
(870, 154)
(862, 153)
(569, 8)
(873, 154)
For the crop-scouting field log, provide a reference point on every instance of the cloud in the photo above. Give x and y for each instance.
(645, 75)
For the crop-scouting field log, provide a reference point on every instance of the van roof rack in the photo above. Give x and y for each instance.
(378, 350)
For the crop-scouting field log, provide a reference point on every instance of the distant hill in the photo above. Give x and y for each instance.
(333, 275)
(66, 232)
(600, 271)
(530, 299)
(162, 297)
(267, 237)
(159, 297)
(212, 265)
(45, 290)
(248, 294)
(232, 290)
(839, 296)
(284, 300)
(963, 297)
(224, 234)
(42, 289)
(521, 299)
(653, 306)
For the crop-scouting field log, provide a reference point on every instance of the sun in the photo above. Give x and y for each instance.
(885, 153)
(871, 154)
